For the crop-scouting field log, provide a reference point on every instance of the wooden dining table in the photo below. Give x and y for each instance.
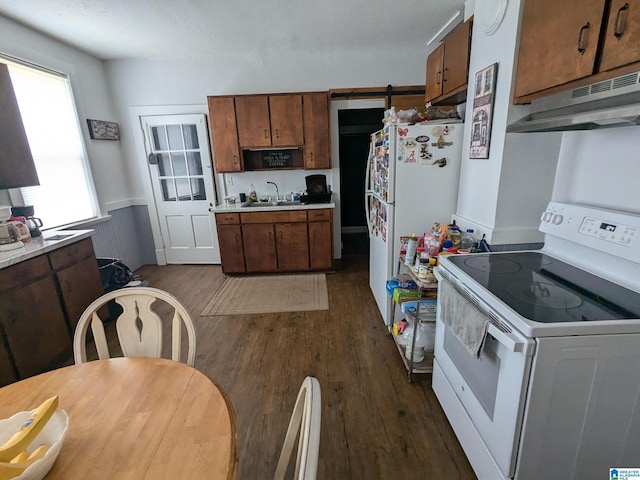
(135, 418)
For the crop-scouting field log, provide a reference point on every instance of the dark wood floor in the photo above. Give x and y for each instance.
(375, 424)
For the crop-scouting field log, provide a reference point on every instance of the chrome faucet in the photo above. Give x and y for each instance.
(277, 193)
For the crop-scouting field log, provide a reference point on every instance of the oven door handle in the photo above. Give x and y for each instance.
(511, 343)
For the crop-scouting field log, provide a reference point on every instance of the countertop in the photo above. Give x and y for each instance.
(237, 208)
(50, 240)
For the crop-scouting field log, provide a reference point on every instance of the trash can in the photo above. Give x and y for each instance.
(114, 275)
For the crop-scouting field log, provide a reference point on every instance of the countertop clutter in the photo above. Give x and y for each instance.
(50, 240)
(269, 207)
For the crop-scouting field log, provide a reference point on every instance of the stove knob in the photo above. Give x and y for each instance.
(557, 219)
(546, 216)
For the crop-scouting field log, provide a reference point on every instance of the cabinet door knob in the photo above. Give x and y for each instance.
(582, 38)
(265, 133)
(621, 21)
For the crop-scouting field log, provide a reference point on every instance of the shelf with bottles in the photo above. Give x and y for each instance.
(418, 305)
(420, 341)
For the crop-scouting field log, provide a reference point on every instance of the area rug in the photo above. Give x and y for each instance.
(269, 294)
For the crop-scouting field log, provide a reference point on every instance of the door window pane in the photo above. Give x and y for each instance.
(179, 164)
(168, 190)
(175, 137)
(164, 165)
(190, 137)
(195, 163)
(184, 189)
(159, 138)
(197, 186)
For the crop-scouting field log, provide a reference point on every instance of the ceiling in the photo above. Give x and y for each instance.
(133, 29)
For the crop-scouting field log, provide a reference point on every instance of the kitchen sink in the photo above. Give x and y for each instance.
(282, 203)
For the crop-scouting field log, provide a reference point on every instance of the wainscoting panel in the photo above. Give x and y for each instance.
(126, 236)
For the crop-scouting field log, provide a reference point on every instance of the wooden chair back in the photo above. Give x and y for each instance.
(305, 421)
(139, 327)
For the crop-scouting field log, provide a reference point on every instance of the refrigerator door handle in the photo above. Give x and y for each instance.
(367, 173)
(367, 204)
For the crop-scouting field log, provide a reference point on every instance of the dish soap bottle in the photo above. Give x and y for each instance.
(253, 197)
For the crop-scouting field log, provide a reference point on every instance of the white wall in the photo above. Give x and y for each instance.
(91, 93)
(503, 195)
(600, 168)
(189, 81)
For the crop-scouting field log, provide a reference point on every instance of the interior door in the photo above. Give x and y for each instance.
(181, 175)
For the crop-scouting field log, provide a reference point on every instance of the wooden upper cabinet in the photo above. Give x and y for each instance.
(286, 120)
(448, 67)
(317, 144)
(558, 43)
(254, 127)
(621, 41)
(435, 61)
(269, 120)
(224, 134)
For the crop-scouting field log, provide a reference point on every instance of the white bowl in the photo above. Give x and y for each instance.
(52, 434)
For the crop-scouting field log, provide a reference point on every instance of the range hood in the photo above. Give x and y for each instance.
(609, 103)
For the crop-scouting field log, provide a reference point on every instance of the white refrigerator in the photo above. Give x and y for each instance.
(411, 182)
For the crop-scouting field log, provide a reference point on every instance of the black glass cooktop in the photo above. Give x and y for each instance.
(544, 289)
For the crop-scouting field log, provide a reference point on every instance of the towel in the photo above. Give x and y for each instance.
(467, 323)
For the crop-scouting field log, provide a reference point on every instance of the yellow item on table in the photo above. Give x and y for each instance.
(28, 431)
(12, 470)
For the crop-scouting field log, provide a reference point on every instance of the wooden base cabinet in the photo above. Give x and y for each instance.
(292, 246)
(41, 300)
(230, 241)
(276, 241)
(259, 245)
(321, 239)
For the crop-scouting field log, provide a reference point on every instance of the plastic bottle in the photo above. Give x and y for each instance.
(412, 245)
(453, 234)
(253, 197)
(418, 348)
(466, 241)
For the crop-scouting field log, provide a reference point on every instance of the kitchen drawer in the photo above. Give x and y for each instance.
(23, 273)
(227, 218)
(71, 254)
(320, 215)
(284, 216)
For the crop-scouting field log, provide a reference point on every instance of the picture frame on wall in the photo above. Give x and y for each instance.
(101, 130)
(482, 115)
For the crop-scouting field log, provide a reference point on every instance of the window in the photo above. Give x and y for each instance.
(66, 192)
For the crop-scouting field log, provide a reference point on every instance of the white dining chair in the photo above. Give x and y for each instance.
(305, 420)
(139, 328)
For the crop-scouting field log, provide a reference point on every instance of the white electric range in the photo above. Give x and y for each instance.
(555, 391)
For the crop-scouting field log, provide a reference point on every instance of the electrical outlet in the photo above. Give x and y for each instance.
(229, 180)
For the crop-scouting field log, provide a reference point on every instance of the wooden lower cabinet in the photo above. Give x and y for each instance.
(231, 250)
(321, 239)
(259, 245)
(41, 300)
(276, 241)
(292, 246)
(35, 326)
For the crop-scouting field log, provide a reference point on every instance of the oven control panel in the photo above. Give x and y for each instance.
(609, 231)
